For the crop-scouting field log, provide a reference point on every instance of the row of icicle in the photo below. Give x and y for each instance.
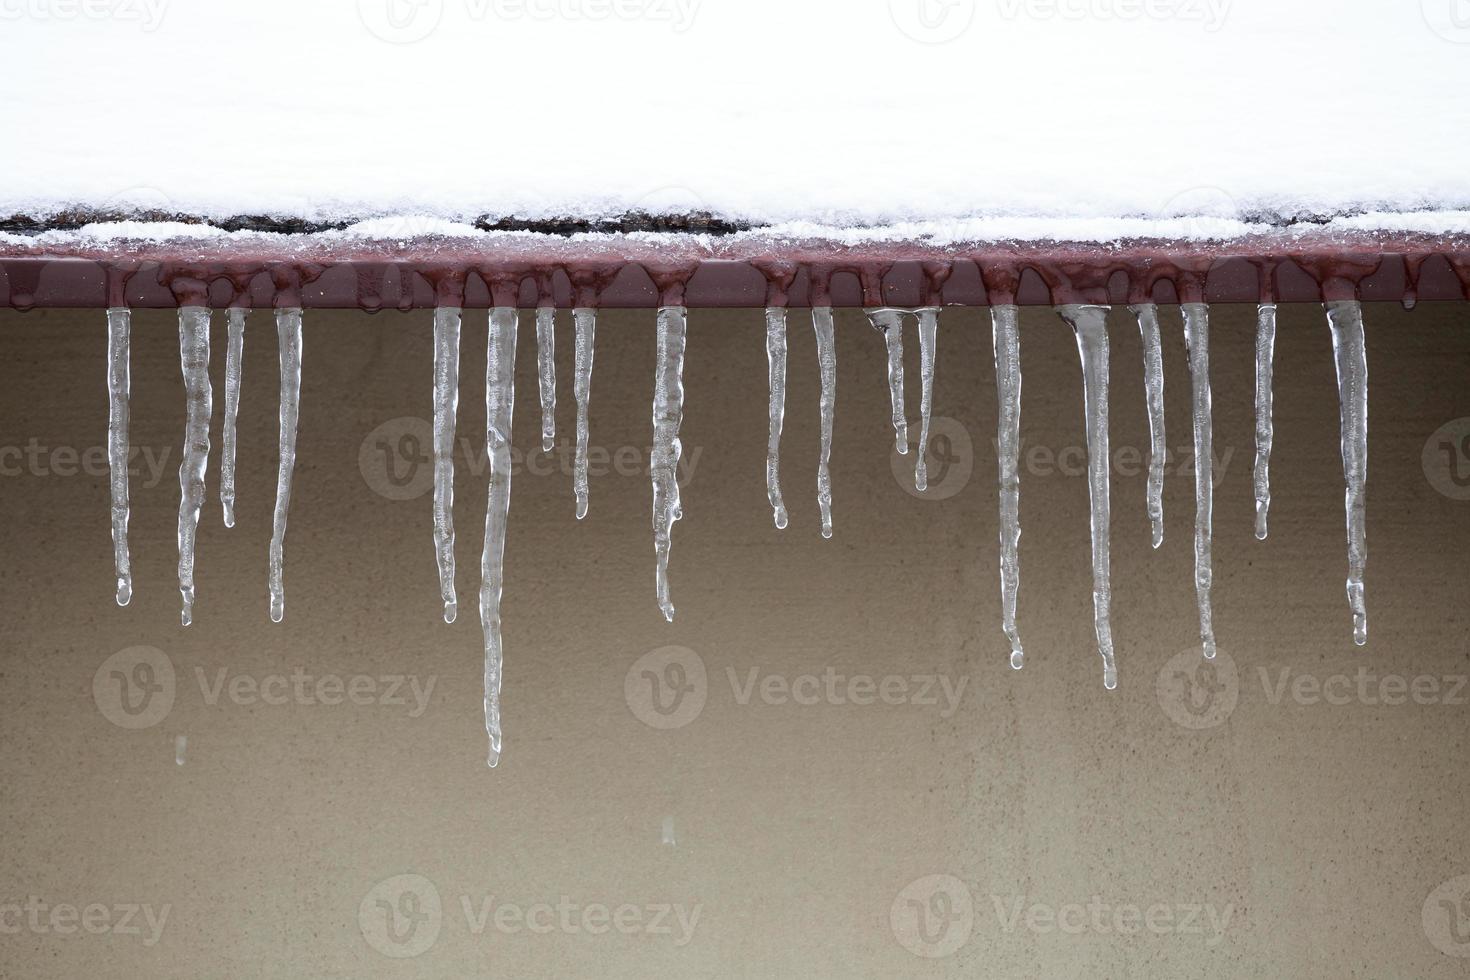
(1087, 322)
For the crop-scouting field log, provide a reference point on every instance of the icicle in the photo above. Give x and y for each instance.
(585, 318)
(1197, 337)
(181, 745)
(234, 355)
(1091, 326)
(668, 413)
(890, 322)
(776, 364)
(194, 358)
(928, 340)
(446, 411)
(827, 364)
(1265, 355)
(1153, 384)
(500, 393)
(1345, 317)
(546, 373)
(1006, 338)
(288, 333)
(119, 386)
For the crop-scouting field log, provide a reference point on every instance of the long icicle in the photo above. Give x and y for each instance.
(890, 323)
(1345, 317)
(827, 365)
(546, 373)
(585, 320)
(1153, 386)
(500, 393)
(1197, 337)
(119, 387)
(234, 365)
(194, 359)
(1265, 358)
(928, 344)
(1091, 326)
(288, 334)
(1006, 337)
(776, 369)
(668, 413)
(447, 321)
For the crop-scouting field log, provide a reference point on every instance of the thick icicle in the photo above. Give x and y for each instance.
(288, 333)
(668, 413)
(1346, 320)
(546, 373)
(194, 358)
(776, 365)
(585, 319)
(1153, 385)
(1197, 337)
(890, 322)
(446, 410)
(928, 340)
(1265, 356)
(827, 364)
(234, 357)
(1091, 326)
(500, 393)
(1006, 337)
(119, 386)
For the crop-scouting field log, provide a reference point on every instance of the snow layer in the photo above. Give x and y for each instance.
(1005, 115)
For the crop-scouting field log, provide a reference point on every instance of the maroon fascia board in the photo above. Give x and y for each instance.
(633, 272)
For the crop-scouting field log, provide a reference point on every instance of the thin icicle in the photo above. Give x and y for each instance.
(181, 746)
(288, 333)
(890, 322)
(194, 359)
(546, 373)
(585, 318)
(119, 387)
(446, 410)
(1091, 326)
(827, 364)
(928, 342)
(776, 366)
(500, 394)
(668, 413)
(1265, 356)
(1350, 352)
(1006, 337)
(1197, 337)
(1153, 385)
(234, 357)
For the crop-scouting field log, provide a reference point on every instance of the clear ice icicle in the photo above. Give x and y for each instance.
(1153, 386)
(1345, 317)
(234, 357)
(776, 368)
(928, 341)
(1197, 338)
(1006, 336)
(446, 410)
(668, 413)
(288, 333)
(119, 386)
(1265, 357)
(1091, 326)
(890, 322)
(585, 320)
(500, 394)
(199, 395)
(827, 365)
(546, 373)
